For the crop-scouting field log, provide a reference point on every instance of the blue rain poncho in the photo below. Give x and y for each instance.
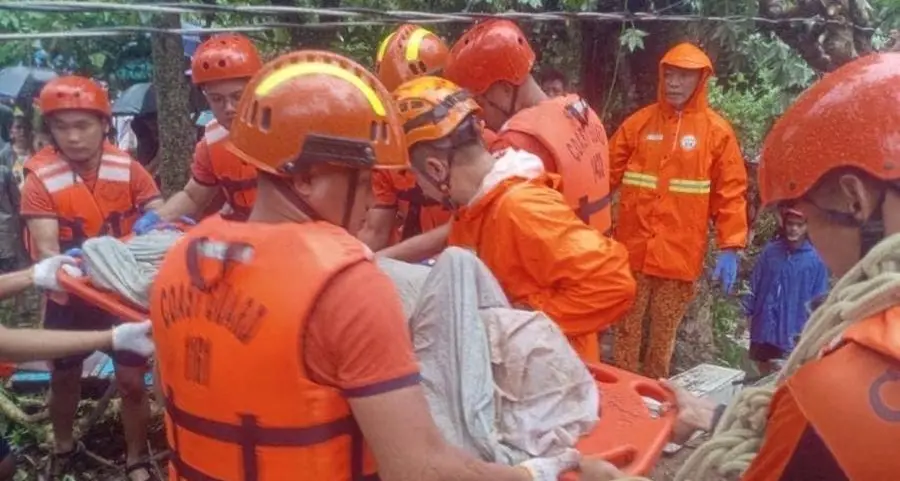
(783, 284)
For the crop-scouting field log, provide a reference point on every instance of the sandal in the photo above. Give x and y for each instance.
(143, 465)
(59, 464)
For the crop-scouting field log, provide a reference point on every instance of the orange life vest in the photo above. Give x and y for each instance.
(82, 213)
(570, 129)
(229, 310)
(852, 398)
(237, 178)
(416, 213)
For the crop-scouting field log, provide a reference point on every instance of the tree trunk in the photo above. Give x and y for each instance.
(824, 47)
(177, 133)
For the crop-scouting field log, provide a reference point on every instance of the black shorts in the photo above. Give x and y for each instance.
(765, 352)
(78, 315)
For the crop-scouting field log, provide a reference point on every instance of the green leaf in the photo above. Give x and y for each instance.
(98, 60)
(632, 39)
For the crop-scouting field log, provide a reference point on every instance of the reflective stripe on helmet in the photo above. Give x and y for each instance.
(278, 77)
(415, 41)
(383, 47)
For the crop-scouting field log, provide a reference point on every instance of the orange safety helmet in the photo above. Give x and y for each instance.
(309, 107)
(492, 51)
(409, 52)
(432, 108)
(73, 93)
(225, 57)
(850, 118)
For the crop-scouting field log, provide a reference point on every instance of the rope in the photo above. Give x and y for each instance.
(128, 267)
(351, 17)
(871, 287)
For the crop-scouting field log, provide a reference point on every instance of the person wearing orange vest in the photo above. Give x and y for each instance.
(283, 350)
(834, 157)
(509, 211)
(678, 167)
(78, 188)
(493, 60)
(401, 210)
(407, 53)
(221, 68)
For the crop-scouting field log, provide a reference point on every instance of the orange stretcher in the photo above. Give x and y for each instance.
(108, 301)
(628, 434)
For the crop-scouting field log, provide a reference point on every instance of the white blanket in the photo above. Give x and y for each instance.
(502, 384)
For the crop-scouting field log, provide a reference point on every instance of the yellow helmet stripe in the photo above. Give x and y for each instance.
(382, 49)
(314, 68)
(415, 42)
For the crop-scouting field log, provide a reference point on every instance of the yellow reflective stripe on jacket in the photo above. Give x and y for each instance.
(689, 186)
(638, 179)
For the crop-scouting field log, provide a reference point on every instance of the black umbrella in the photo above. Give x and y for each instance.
(136, 100)
(23, 82)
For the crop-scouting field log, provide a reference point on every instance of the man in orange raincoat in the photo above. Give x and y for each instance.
(678, 166)
(221, 67)
(407, 53)
(834, 157)
(509, 211)
(283, 350)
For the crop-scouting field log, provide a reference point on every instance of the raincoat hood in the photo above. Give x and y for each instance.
(690, 57)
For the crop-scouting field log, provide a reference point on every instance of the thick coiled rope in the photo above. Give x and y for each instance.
(871, 287)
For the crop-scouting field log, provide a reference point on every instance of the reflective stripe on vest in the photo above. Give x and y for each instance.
(85, 213)
(683, 186)
(249, 435)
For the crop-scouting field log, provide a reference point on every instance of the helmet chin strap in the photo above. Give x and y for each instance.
(286, 188)
(871, 230)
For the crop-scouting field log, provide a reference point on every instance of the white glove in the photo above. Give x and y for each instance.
(45, 271)
(549, 469)
(134, 337)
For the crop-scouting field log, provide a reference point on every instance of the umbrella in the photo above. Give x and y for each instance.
(23, 82)
(136, 100)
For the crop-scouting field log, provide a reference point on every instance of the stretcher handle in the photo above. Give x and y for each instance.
(630, 459)
(109, 302)
(642, 461)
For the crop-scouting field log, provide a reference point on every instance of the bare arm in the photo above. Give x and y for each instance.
(45, 234)
(420, 247)
(190, 201)
(38, 344)
(377, 231)
(408, 446)
(154, 205)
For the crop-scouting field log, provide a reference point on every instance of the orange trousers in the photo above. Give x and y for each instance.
(659, 305)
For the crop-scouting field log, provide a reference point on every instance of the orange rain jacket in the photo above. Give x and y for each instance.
(677, 171)
(838, 418)
(416, 214)
(543, 255)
